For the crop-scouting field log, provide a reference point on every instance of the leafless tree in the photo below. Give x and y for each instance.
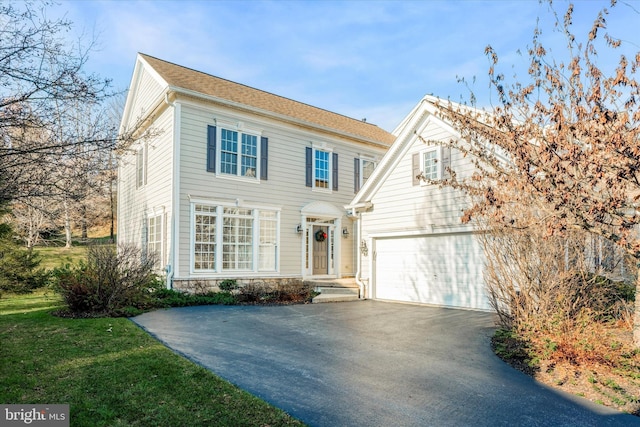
(571, 131)
(39, 73)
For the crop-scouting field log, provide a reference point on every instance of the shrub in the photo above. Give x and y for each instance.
(228, 285)
(112, 282)
(172, 298)
(19, 270)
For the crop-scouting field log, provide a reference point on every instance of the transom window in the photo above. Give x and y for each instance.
(230, 238)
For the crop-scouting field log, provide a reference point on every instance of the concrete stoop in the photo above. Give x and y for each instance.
(336, 290)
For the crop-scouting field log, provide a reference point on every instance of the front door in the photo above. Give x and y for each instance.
(320, 249)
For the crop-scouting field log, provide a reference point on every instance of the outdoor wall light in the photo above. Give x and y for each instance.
(299, 228)
(363, 248)
(345, 232)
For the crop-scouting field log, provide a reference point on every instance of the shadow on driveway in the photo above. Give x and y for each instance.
(370, 363)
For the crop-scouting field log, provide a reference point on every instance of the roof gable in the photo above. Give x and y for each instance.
(180, 78)
(418, 119)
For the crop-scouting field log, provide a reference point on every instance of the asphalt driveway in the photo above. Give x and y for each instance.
(369, 363)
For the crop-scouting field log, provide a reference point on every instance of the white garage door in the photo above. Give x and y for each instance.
(439, 269)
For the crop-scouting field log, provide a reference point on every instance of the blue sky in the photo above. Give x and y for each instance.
(363, 59)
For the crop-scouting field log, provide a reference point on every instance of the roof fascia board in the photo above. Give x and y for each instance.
(266, 113)
(420, 117)
(141, 65)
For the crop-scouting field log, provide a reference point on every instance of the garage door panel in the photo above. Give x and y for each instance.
(443, 270)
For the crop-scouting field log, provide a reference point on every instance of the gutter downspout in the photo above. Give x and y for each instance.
(172, 254)
(359, 282)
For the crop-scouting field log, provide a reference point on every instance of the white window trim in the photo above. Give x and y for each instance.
(315, 148)
(361, 161)
(219, 271)
(241, 129)
(438, 151)
(141, 165)
(160, 251)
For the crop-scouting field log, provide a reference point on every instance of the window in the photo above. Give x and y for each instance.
(268, 241)
(321, 169)
(237, 249)
(362, 170)
(430, 165)
(238, 153)
(247, 237)
(154, 239)
(141, 166)
(205, 238)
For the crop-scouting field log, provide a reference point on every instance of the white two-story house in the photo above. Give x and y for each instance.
(237, 183)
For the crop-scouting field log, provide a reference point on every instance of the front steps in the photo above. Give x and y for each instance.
(334, 290)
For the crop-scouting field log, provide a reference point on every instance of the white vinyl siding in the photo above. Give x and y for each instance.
(418, 249)
(285, 189)
(135, 202)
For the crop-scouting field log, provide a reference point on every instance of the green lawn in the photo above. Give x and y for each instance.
(112, 373)
(54, 256)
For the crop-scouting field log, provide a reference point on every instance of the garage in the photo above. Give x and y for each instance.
(440, 269)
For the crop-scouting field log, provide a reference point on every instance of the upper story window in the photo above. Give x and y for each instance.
(431, 164)
(141, 166)
(321, 169)
(239, 154)
(362, 170)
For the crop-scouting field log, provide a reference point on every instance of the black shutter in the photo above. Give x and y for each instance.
(335, 171)
(309, 167)
(211, 148)
(356, 175)
(264, 155)
(415, 169)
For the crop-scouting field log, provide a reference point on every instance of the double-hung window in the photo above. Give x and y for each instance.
(236, 153)
(431, 164)
(321, 169)
(141, 166)
(362, 170)
(154, 239)
(204, 238)
(237, 238)
(232, 238)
